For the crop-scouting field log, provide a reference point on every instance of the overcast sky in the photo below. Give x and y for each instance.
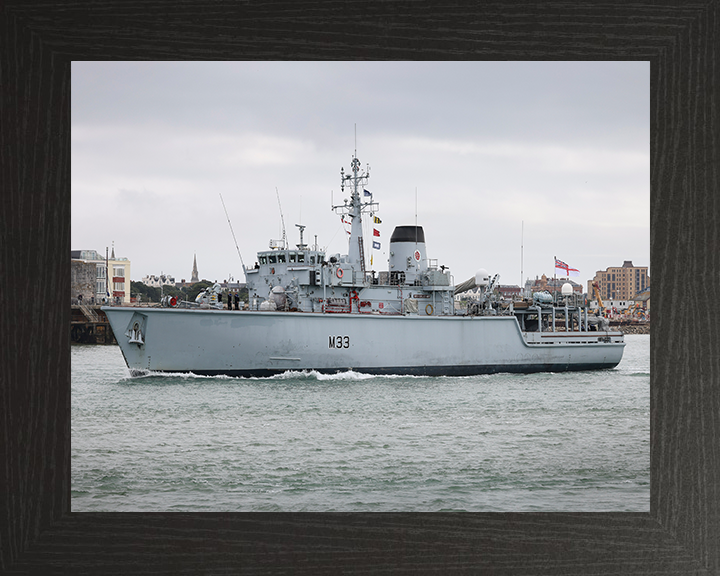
(562, 146)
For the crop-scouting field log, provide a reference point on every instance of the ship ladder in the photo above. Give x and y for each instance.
(362, 255)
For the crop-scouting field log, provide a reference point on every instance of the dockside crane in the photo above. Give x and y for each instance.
(596, 289)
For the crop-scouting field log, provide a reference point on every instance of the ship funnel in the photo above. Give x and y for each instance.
(408, 258)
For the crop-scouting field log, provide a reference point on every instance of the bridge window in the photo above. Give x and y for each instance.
(301, 257)
(281, 258)
(272, 259)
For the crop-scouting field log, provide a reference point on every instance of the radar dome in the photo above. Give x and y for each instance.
(567, 289)
(482, 278)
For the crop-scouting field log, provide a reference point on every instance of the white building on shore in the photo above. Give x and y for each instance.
(99, 278)
(158, 281)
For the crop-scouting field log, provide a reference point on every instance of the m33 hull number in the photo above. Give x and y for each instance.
(339, 342)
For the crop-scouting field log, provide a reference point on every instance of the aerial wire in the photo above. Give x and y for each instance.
(522, 249)
(282, 221)
(233, 233)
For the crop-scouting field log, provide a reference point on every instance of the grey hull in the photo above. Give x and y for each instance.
(254, 343)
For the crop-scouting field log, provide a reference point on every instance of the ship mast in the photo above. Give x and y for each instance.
(354, 208)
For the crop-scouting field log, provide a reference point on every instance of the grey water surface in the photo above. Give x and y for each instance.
(577, 441)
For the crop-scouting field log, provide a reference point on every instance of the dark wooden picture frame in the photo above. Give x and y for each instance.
(39, 534)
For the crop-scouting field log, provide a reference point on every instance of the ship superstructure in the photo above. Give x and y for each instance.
(308, 310)
(306, 280)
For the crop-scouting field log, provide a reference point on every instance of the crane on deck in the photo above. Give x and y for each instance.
(596, 289)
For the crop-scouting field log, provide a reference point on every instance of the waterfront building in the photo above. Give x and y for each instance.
(550, 284)
(612, 305)
(120, 270)
(509, 292)
(620, 283)
(158, 281)
(88, 276)
(90, 272)
(637, 307)
(642, 299)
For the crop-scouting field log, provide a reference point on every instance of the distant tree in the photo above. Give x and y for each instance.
(196, 288)
(147, 293)
(169, 290)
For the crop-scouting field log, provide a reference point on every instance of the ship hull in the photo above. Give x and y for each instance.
(252, 344)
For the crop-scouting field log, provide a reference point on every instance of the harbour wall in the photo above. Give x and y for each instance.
(637, 328)
(89, 325)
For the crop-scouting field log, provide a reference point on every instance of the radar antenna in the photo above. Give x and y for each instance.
(302, 245)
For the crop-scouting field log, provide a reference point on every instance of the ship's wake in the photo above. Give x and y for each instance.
(302, 375)
(348, 375)
(141, 374)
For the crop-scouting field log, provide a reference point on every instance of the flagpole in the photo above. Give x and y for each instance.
(522, 234)
(555, 276)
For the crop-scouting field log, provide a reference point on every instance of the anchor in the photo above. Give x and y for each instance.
(136, 335)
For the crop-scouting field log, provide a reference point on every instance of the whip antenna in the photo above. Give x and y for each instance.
(282, 221)
(232, 232)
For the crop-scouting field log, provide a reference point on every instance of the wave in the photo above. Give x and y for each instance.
(141, 374)
(348, 375)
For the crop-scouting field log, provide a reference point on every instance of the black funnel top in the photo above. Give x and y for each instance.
(408, 234)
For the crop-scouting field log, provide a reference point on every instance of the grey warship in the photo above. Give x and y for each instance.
(310, 311)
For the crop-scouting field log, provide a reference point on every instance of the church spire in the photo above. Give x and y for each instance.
(195, 270)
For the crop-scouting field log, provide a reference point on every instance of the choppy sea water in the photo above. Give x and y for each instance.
(352, 442)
